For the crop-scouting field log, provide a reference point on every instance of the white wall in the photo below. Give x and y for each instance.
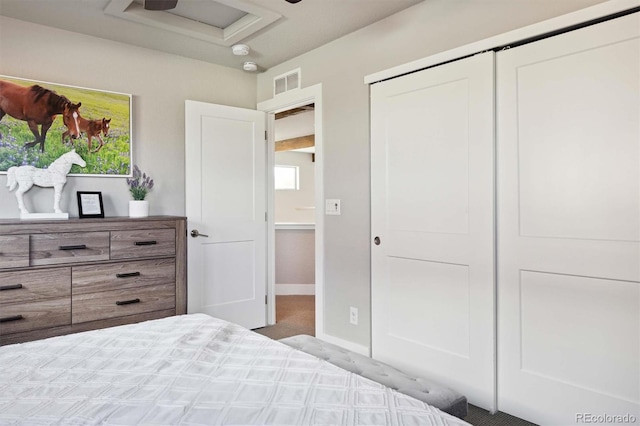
(430, 27)
(293, 206)
(159, 83)
(295, 257)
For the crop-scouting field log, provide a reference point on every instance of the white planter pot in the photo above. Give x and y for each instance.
(138, 208)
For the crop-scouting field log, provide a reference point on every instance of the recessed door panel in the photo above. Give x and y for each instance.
(571, 165)
(437, 151)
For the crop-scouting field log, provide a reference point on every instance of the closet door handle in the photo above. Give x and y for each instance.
(376, 241)
(13, 318)
(76, 247)
(145, 243)
(127, 302)
(128, 275)
(11, 287)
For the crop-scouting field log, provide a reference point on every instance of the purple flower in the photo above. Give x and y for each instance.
(139, 184)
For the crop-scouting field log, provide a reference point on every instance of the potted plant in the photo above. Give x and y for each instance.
(139, 185)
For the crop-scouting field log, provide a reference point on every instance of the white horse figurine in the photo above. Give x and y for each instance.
(24, 177)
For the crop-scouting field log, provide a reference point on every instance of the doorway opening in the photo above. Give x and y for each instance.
(303, 219)
(294, 219)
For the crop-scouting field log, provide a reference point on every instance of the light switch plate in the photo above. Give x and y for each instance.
(332, 207)
(353, 315)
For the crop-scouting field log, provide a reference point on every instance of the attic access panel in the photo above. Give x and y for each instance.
(223, 22)
(207, 12)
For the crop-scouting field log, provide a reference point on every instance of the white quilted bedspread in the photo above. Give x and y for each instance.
(190, 370)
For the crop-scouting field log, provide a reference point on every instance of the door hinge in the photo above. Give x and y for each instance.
(265, 135)
(265, 216)
(265, 299)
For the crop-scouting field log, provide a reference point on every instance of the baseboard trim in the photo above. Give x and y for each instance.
(354, 347)
(295, 289)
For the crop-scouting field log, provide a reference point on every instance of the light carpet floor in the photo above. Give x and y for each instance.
(294, 315)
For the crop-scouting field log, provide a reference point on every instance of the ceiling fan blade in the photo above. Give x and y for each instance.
(293, 1)
(160, 4)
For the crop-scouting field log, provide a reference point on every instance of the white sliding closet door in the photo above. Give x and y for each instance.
(433, 211)
(568, 111)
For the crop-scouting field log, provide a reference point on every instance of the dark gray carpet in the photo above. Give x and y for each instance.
(479, 417)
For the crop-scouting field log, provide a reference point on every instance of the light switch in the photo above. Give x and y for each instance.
(332, 207)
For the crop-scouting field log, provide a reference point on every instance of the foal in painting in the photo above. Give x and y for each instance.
(24, 177)
(92, 128)
(37, 106)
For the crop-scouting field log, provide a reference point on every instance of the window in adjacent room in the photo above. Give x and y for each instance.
(286, 177)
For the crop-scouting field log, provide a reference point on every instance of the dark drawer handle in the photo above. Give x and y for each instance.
(146, 243)
(77, 247)
(128, 275)
(11, 287)
(13, 318)
(127, 302)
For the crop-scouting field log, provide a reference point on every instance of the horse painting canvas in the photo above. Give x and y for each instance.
(24, 177)
(39, 119)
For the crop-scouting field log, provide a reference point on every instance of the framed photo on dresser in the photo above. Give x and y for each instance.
(90, 204)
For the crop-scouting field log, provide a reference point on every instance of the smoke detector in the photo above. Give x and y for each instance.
(240, 49)
(250, 66)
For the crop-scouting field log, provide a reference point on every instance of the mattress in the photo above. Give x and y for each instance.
(190, 370)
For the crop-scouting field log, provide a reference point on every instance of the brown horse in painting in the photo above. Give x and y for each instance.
(37, 106)
(92, 128)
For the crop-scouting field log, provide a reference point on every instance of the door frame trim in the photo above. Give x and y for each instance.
(282, 102)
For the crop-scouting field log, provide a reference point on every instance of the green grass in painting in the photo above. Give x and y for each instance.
(112, 159)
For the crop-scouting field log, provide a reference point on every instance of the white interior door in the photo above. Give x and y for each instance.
(432, 197)
(226, 205)
(569, 226)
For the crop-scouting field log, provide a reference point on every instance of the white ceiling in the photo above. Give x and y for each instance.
(293, 28)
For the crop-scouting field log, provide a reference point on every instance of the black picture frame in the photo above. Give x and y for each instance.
(90, 204)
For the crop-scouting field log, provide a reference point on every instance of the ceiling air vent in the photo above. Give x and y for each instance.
(286, 82)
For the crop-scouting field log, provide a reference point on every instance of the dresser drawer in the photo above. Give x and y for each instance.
(119, 303)
(90, 279)
(21, 317)
(14, 251)
(143, 243)
(69, 247)
(29, 286)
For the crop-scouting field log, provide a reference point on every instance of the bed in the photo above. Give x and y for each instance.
(191, 370)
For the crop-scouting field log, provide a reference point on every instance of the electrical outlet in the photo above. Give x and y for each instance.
(353, 315)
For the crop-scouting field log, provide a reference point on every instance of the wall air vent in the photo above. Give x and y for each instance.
(286, 82)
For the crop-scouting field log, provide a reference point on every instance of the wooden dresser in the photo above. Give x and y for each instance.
(60, 277)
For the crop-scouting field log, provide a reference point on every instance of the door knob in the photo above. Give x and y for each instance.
(195, 233)
(376, 241)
